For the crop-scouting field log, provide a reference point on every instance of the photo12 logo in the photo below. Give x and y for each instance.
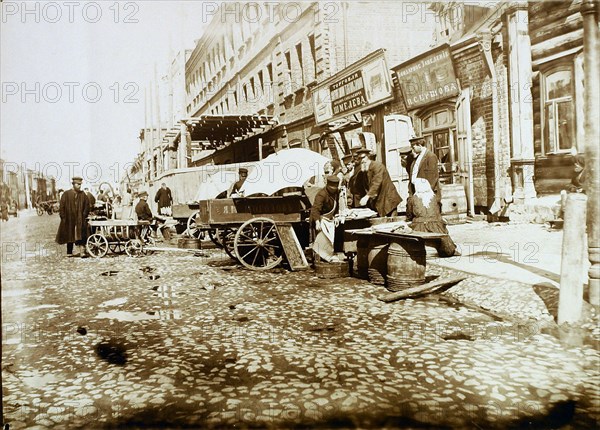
(71, 92)
(27, 12)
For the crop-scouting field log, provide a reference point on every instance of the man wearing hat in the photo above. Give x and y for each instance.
(74, 209)
(164, 199)
(425, 165)
(381, 194)
(324, 208)
(236, 188)
(142, 210)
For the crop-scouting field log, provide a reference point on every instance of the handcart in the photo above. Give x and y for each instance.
(118, 236)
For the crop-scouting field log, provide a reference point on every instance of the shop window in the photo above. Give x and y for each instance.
(439, 129)
(558, 110)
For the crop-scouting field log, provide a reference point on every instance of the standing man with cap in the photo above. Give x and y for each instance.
(74, 209)
(236, 188)
(323, 210)
(425, 166)
(164, 199)
(381, 195)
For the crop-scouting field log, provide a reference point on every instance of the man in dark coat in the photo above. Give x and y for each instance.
(382, 195)
(164, 199)
(142, 210)
(424, 165)
(326, 202)
(74, 209)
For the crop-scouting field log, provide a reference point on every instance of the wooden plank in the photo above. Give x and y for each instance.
(291, 246)
(420, 289)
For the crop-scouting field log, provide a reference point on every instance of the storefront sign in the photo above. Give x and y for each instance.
(360, 86)
(427, 78)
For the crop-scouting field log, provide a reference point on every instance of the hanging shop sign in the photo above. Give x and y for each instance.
(427, 78)
(360, 86)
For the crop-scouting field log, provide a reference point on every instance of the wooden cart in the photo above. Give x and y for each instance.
(260, 232)
(118, 236)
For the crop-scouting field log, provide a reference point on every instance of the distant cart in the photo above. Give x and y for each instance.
(259, 232)
(50, 207)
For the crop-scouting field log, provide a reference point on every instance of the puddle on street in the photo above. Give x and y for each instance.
(114, 302)
(36, 380)
(36, 308)
(14, 293)
(162, 314)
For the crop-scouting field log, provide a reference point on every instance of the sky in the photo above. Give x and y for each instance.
(73, 78)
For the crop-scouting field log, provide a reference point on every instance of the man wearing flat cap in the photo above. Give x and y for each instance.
(324, 209)
(142, 210)
(236, 188)
(382, 195)
(74, 209)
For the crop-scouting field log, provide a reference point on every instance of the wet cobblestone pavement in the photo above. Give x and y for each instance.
(177, 340)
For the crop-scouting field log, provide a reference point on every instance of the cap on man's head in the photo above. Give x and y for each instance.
(405, 150)
(76, 180)
(143, 194)
(163, 184)
(417, 140)
(347, 158)
(242, 170)
(333, 180)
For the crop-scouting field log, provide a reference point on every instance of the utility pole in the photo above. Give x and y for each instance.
(589, 12)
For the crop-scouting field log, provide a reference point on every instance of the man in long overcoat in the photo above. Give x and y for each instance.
(74, 209)
(382, 196)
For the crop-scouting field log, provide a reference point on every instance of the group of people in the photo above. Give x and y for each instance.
(77, 203)
(367, 184)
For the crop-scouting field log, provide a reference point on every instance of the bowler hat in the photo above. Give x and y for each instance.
(76, 180)
(347, 158)
(363, 151)
(143, 194)
(333, 180)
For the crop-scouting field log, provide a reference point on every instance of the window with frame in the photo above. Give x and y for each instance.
(558, 109)
(438, 128)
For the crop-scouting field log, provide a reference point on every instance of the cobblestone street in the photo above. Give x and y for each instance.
(178, 340)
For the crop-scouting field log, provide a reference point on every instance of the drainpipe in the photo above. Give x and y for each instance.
(485, 45)
(589, 12)
(345, 18)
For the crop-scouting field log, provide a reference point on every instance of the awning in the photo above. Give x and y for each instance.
(218, 130)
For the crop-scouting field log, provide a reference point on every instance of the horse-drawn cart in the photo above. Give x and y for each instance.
(260, 232)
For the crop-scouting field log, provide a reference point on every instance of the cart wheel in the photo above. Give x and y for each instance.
(39, 210)
(215, 236)
(257, 244)
(97, 245)
(192, 228)
(228, 242)
(134, 248)
(117, 248)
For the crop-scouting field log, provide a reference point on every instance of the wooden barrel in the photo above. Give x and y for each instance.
(377, 258)
(405, 264)
(189, 243)
(454, 200)
(362, 257)
(327, 270)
